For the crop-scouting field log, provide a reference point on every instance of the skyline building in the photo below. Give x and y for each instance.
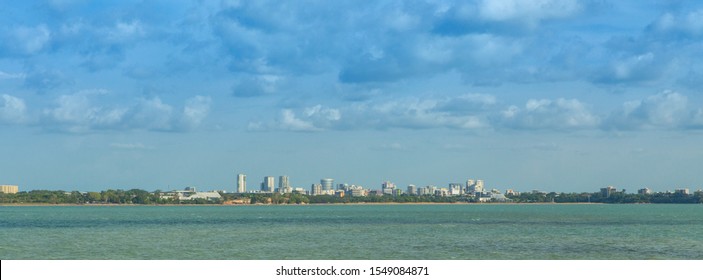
(241, 183)
(268, 184)
(412, 190)
(316, 189)
(9, 189)
(283, 182)
(327, 184)
(474, 187)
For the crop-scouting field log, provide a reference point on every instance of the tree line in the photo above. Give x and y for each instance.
(616, 197)
(137, 196)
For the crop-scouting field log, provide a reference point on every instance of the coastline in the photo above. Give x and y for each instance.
(312, 204)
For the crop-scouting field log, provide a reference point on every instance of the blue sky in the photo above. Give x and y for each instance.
(551, 95)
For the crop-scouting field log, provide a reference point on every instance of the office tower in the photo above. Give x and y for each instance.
(316, 189)
(327, 184)
(412, 190)
(241, 183)
(268, 184)
(455, 189)
(479, 186)
(387, 185)
(470, 185)
(283, 182)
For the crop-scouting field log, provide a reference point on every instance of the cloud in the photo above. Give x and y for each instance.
(153, 114)
(527, 11)
(80, 113)
(24, 40)
(410, 113)
(288, 121)
(76, 113)
(195, 110)
(12, 110)
(667, 110)
(670, 24)
(559, 114)
(632, 69)
(11, 76)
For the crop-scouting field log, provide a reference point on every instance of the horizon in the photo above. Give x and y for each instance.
(553, 95)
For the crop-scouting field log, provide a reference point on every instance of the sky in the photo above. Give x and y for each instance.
(552, 95)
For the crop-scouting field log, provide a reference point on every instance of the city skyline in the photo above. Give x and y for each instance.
(566, 95)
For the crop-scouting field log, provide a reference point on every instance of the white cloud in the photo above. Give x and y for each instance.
(318, 111)
(690, 23)
(12, 109)
(667, 109)
(550, 114)
(531, 11)
(80, 112)
(421, 113)
(154, 114)
(196, 109)
(28, 40)
(288, 121)
(10, 76)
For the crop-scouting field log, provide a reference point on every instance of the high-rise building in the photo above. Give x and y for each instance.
(479, 186)
(9, 189)
(241, 183)
(268, 184)
(283, 184)
(327, 184)
(316, 189)
(412, 190)
(470, 185)
(455, 189)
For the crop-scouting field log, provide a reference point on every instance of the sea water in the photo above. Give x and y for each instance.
(358, 231)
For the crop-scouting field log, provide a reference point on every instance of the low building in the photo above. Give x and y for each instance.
(491, 196)
(685, 191)
(606, 192)
(358, 192)
(644, 191)
(199, 195)
(511, 192)
(9, 189)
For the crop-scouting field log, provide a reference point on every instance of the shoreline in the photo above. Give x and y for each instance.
(316, 204)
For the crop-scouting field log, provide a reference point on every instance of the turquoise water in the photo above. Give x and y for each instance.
(483, 231)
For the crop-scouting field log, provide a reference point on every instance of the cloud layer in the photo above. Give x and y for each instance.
(666, 110)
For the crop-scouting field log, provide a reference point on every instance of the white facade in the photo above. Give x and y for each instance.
(268, 184)
(241, 183)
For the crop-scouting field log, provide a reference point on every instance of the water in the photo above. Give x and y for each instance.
(434, 231)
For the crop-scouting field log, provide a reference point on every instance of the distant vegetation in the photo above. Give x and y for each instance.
(136, 196)
(617, 197)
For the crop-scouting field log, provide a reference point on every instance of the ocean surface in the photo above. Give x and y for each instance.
(431, 231)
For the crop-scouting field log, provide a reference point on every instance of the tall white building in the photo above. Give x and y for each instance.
(268, 184)
(316, 189)
(479, 186)
(283, 184)
(241, 183)
(474, 187)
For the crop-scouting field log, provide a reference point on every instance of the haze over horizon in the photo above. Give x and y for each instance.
(554, 95)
